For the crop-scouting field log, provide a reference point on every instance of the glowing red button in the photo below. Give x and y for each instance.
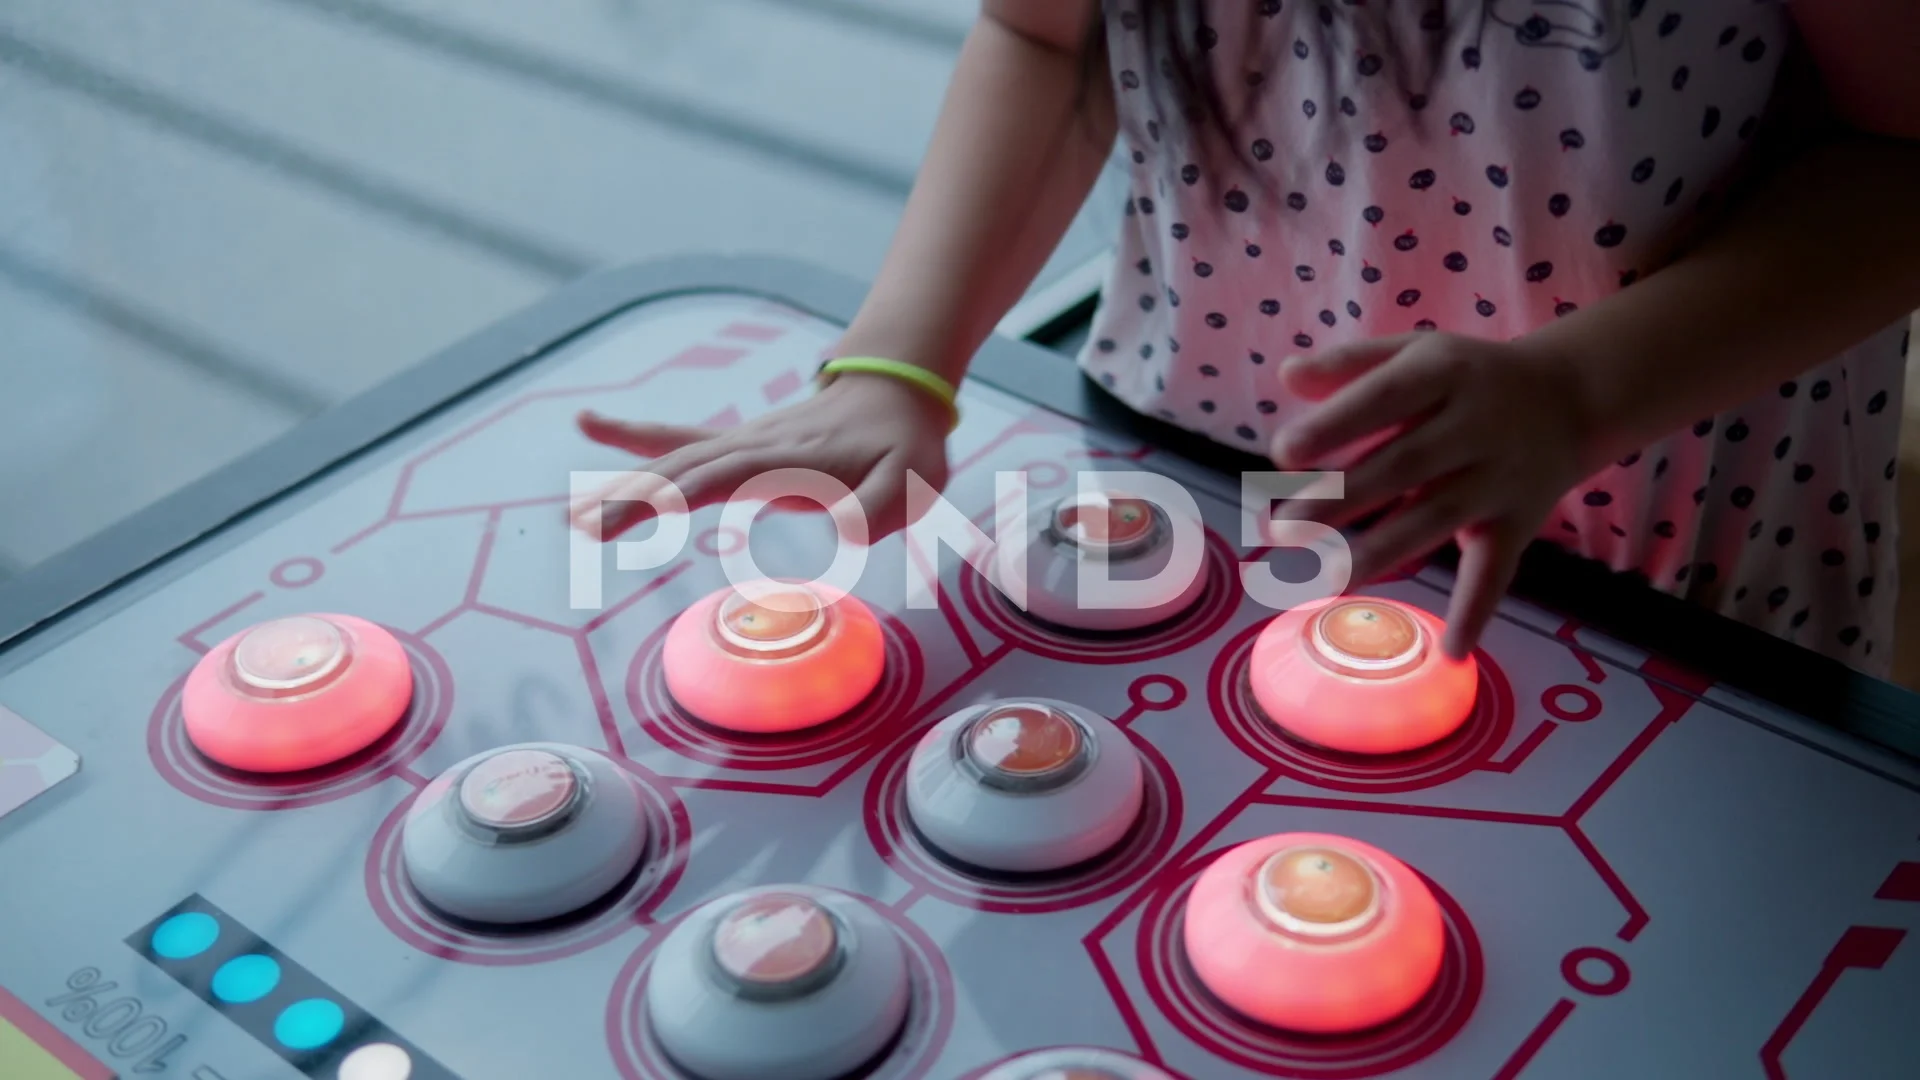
(289, 655)
(1367, 637)
(776, 618)
(775, 939)
(1316, 892)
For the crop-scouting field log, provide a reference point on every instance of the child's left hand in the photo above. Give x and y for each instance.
(1477, 439)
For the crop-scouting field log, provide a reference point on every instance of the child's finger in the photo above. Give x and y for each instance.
(1419, 527)
(882, 497)
(1379, 399)
(1489, 556)
(1316, 376)
(647, 440)
(617, 507)
(626, 502)
(1408, 462)
(716, 480)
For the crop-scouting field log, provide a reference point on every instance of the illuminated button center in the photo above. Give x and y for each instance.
(775, 940)
(777, 619)
(1317, 892)
(1105, 524)
(289, 654)
(1024, 741)
(1368, 637)
(517, 789)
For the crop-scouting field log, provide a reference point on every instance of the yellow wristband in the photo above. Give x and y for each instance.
(912, 374)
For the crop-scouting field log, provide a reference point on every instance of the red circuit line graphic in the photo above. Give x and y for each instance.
(1519, 754)
(191, 639)
(1566, 634)
(1860, 947)
(1903, 884)
(1866, 947)
(1536, 1039)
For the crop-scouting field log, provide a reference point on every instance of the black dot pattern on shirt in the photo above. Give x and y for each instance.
(1431, 272)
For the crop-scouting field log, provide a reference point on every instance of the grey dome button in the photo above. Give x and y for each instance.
(1132, 537)
(1026, 785)
(524, 833)
(793, 982)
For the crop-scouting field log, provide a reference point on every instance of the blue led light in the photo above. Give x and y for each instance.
(309, 1024)
(186, 935)
(246, 978)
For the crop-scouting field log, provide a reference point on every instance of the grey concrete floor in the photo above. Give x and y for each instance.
(219, 217)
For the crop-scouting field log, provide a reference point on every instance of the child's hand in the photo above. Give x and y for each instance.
(1478, 439)
(866, 431)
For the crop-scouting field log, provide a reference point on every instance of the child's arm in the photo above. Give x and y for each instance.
(1824, 254)
(1493, 434)
(1013, 157)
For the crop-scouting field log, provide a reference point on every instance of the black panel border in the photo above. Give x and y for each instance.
(1737, 656)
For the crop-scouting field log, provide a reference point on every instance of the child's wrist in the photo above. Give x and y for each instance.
(924, 388)
(1600, 425)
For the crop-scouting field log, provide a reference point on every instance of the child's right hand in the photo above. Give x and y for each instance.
(866, 431)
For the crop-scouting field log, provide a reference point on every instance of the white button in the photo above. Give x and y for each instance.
(377, 1061)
